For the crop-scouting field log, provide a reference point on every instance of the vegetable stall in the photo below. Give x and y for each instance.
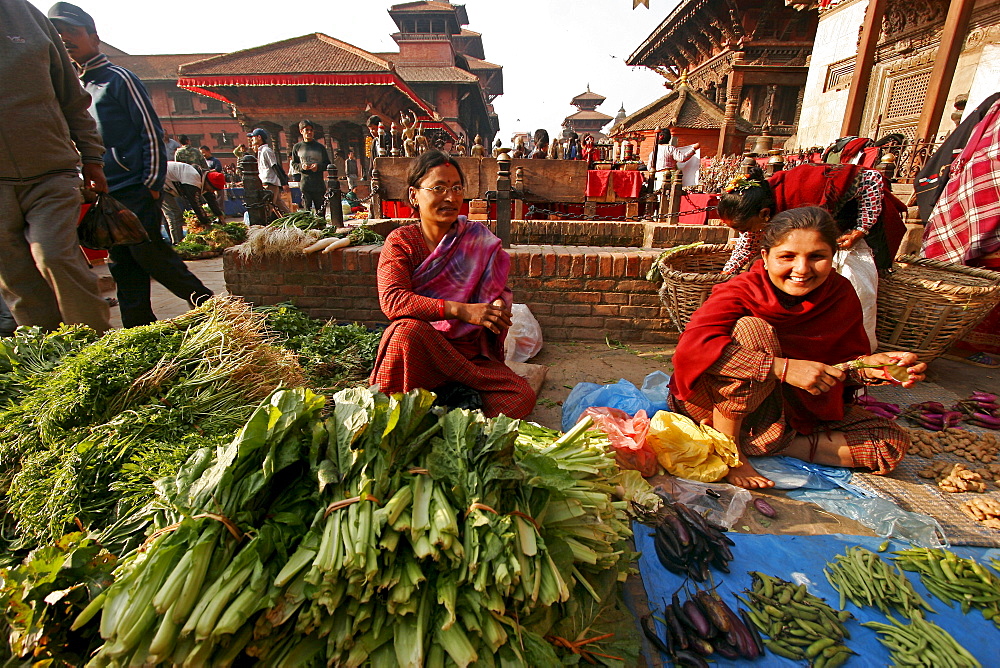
(176, 495)
(224, 489)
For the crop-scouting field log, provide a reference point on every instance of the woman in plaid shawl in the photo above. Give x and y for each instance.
(443, 285)
(964, 226)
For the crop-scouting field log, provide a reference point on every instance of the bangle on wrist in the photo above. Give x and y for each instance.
(441, 308)
(784, 370)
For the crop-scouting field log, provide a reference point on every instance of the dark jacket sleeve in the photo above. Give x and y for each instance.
(134, 98)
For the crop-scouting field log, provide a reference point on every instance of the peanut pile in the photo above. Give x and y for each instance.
(985, 510)
(976, 448)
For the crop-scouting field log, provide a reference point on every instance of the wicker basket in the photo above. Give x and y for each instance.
(688, 278)
(925, 306)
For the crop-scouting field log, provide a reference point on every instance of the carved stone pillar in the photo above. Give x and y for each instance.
(254, 195)
(503, 202)
(727, 132)
(333, 204)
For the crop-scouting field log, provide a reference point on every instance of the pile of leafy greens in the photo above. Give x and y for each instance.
(333, 356)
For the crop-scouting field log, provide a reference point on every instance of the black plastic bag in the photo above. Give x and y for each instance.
(109, 223)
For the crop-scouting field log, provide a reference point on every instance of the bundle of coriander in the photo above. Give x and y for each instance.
(83, 446)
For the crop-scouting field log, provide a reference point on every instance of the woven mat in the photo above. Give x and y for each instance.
(911, 492)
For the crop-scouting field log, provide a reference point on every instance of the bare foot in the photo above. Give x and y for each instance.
(746, 476)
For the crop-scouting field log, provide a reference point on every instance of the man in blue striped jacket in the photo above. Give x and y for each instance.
(135, 166)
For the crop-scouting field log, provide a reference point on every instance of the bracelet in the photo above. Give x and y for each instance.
(441, 308)
(784, 370)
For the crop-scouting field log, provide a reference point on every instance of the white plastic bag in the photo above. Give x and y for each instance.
(858, 266)
(524, 338)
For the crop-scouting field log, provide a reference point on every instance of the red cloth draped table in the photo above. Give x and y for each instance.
(626, 184)
(693, 202)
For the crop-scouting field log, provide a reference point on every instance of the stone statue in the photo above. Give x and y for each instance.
(395, 139)
(555, 149)
(421, 139)
(478, 150)
(520, 150)
(498, 149)
(459, 148)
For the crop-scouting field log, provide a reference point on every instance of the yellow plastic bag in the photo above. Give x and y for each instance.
(689, 450)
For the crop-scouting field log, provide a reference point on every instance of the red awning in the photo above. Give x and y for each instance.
(202, 84)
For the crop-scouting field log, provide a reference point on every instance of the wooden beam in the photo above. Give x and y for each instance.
(863, 68)
(956, 24)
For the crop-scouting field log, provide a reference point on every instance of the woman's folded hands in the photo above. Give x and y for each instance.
(494, 316)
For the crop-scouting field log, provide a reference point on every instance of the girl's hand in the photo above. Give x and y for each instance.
(914, 368)
(847, 241)
(494, 316)
(813, 377)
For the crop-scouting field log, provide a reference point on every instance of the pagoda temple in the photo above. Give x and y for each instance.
(439, 76)
(587, 120)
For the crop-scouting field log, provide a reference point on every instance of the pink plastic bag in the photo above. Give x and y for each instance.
(627, 436)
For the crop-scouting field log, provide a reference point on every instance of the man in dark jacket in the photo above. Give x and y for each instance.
(44, 134)
(310, 159)
(135, 171)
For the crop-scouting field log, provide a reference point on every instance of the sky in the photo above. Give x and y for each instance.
(550, 50)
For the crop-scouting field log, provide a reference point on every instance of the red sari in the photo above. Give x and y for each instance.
(420, 348)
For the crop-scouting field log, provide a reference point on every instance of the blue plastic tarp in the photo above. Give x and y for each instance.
(801, 559)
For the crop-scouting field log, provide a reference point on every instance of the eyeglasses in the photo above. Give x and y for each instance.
(441, 190)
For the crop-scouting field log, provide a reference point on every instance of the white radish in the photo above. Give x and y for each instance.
(339, 243)
(319, 245)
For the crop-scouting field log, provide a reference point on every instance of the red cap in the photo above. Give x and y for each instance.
(217, 179)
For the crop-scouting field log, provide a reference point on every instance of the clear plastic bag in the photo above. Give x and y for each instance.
(524, 338)
(724, 510)
(627, 436)
(880, 515)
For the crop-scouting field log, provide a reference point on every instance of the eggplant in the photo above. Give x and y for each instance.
(702, 646)
(691, 616)
(764, 508)
(754, 633)
(688, 659)
(723, 648)
(714, 610)
(674, 628)
(649, 630)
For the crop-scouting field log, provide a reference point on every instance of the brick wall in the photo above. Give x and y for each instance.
(578, 293)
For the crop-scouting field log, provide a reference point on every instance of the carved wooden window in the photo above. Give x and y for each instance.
(839, 74)
(906, 95)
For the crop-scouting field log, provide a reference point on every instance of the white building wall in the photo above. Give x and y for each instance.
(836, 38)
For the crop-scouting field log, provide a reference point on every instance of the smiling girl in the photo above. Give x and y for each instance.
(757, 359)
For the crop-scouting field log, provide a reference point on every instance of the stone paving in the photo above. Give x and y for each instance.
(165, 304)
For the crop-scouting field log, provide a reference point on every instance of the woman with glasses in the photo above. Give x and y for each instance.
(442, 282)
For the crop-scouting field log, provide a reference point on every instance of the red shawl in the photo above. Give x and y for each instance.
(825, 327)
(826, 186)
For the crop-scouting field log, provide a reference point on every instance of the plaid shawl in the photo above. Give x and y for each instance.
(470, 266)
(965, 222)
